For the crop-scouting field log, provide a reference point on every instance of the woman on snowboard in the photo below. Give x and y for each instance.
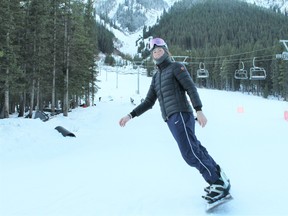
(169, 85)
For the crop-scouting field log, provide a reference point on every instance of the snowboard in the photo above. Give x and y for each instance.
(210, 207)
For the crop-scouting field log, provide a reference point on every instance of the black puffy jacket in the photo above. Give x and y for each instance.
(169, 85)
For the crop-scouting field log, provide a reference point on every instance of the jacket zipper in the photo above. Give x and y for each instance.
(162, 97)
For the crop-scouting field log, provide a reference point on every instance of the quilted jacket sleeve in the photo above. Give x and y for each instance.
(149, 101)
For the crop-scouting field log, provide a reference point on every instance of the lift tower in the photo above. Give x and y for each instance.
(284, 55)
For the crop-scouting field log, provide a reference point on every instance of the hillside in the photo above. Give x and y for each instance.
(277, 5)
(222, 35)
(138, 170)
(126, 18)
(130, 16)
(215, 23)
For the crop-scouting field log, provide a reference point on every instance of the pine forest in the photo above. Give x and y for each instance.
(229, 45)
(49, 50)
(47, 54)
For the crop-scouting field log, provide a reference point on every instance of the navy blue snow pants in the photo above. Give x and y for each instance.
(182, 126)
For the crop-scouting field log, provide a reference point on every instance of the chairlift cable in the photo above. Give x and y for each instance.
(235, 61)
(237, 54)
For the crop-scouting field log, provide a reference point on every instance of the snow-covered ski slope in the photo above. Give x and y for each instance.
(138, 170)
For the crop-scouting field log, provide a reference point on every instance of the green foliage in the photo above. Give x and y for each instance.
(32, 33)
(109, 60)
(222, 33)
(10, 24)
(105, 39)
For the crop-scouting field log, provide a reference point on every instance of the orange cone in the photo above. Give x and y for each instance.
(240, 109)
(286, 115)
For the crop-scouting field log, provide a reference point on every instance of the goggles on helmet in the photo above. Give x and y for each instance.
(156, 42)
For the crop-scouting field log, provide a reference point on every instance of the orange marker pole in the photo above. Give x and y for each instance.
(240, 109)
(286, 115)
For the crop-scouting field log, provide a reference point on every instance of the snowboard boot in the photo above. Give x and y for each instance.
(218, 189)
(207, 189)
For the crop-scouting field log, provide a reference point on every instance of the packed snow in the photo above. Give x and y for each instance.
(108, 170)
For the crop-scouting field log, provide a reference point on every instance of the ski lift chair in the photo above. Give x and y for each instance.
(241, 73)
(257, 73)
(202, 72)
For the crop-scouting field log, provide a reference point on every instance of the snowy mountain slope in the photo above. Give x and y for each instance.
(146, 12)
(282, 5)
(126, 39)
(131, 15)
(138, 170)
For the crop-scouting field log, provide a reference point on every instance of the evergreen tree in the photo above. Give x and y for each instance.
(47, 54)
(9, 46)
(226, 30)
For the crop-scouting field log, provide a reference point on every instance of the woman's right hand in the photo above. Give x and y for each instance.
(124, 120)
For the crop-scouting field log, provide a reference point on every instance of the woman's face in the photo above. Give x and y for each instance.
(157, 52)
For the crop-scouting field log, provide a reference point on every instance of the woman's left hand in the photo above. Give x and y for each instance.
(202, 120)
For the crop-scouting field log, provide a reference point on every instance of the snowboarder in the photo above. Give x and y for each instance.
(169, 85)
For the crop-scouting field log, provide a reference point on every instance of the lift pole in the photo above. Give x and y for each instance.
(284, 55)
(285, 44)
